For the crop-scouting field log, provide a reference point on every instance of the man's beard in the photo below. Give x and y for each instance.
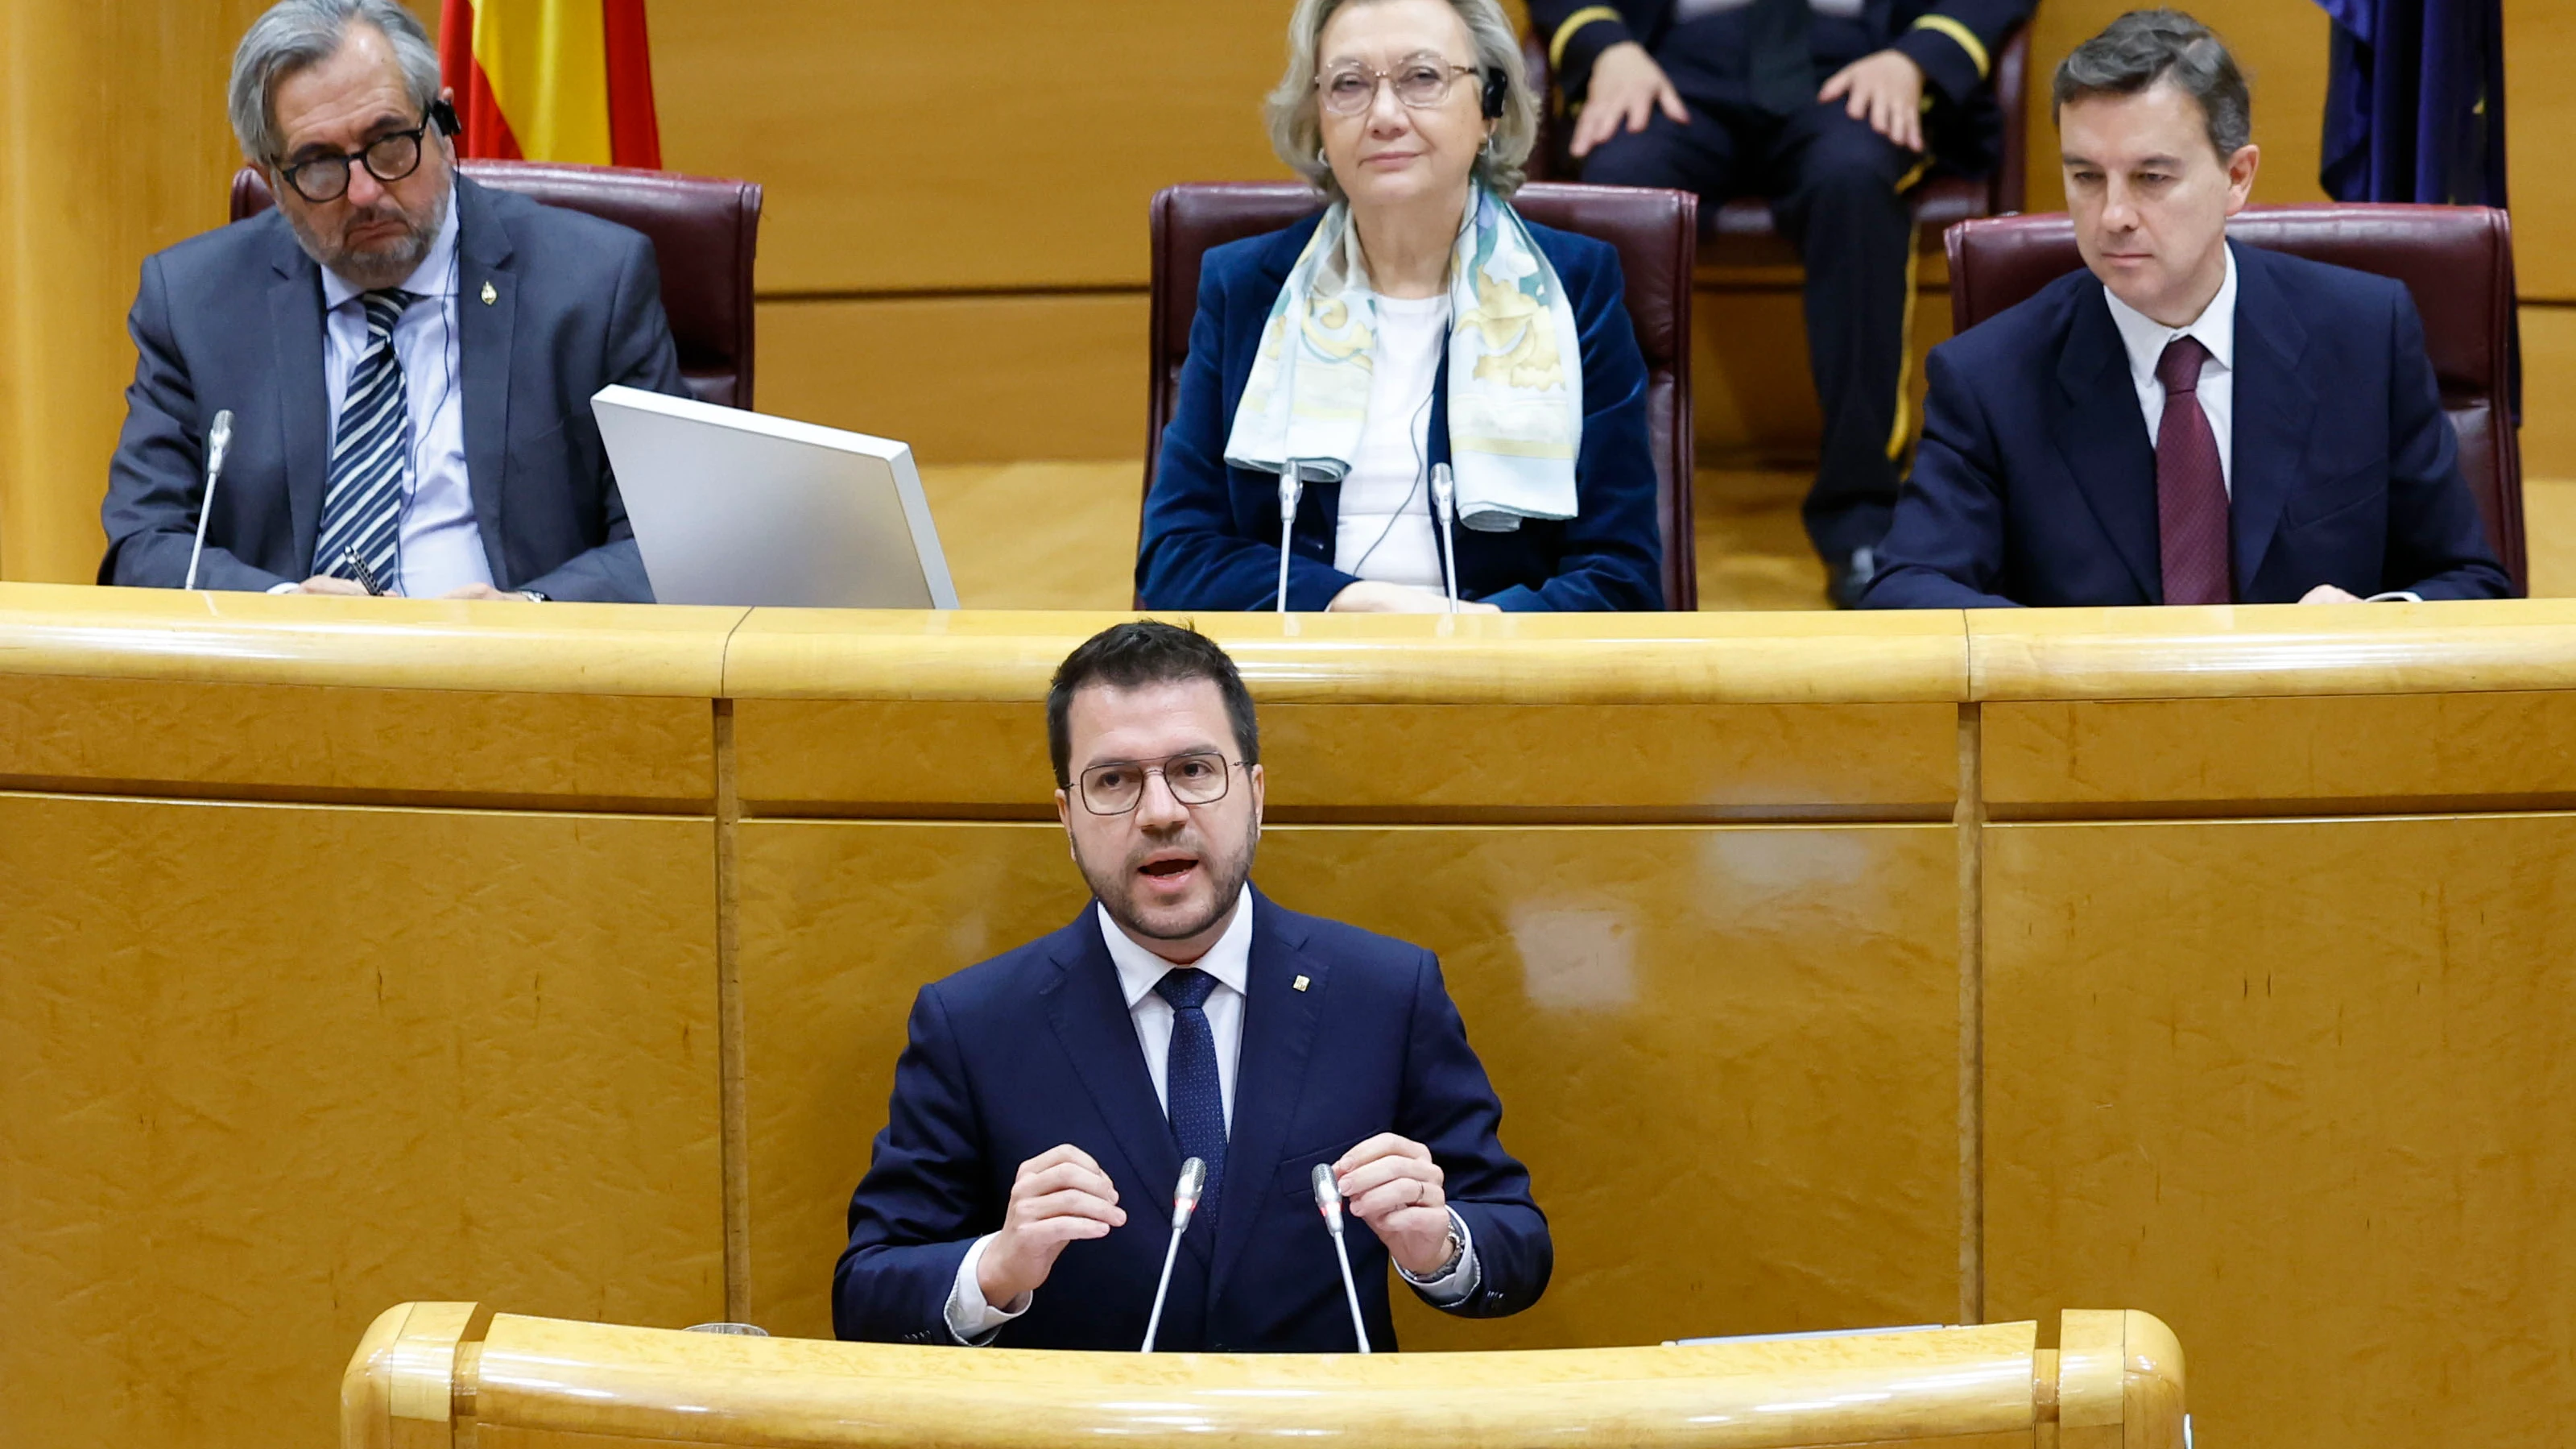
(379, 267)
(1226, 875)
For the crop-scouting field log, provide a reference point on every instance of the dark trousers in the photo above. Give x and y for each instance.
(1833, 184)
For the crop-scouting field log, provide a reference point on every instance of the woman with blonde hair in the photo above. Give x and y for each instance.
(1446, 398)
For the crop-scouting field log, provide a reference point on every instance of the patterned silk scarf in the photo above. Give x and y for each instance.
(1515, 369)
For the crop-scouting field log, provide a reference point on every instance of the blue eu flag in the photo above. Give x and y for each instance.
(2415, 101)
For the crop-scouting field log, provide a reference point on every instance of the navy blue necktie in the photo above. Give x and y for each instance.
(1192, 1099)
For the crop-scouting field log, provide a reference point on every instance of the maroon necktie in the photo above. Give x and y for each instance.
(2191, 492)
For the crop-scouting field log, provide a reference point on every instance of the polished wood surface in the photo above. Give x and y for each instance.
(1854, 922)
(2241, 1067)
(454, 1373)
(263, 1067)
(1770, 1015)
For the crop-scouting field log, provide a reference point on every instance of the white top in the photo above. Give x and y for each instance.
(1385, 530)
(1694, 9)
(2146, 338)
(441, 542)
(972, 1320)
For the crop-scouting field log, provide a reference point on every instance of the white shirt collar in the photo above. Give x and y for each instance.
(1229, 960)
(2145, 338)
(430, 279)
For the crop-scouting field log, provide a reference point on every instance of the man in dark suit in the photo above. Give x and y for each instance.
(2187, 420)
(1021, 1190)
(1722, 97)
(408, 357)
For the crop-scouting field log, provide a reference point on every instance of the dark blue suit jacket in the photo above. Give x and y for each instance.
(233, 319)
(2036, 481)
(1035, 1047)
(1211, 533)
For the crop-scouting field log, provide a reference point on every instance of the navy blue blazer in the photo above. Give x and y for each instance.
(1035, 1047)
(1211, 533)
(2036, 480)
(233, 319)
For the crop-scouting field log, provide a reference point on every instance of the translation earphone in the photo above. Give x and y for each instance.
(1498, 88)
(443, 116)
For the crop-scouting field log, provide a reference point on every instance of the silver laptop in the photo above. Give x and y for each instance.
(731, 507)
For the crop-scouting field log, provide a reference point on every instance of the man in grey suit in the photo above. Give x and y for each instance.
(408, 357)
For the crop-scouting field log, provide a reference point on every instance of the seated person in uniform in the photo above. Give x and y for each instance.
(1721, 97)
(408, 357)
(1047, 1099)
(2187, 420)
(1441, 383)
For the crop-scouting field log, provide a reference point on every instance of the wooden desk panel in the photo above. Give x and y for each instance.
(360, 745)
(1746, 1036)
(2366, 754)
(2243, 1069)
(264, 1067)
(1393, 761)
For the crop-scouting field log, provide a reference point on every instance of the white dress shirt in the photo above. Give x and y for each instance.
(2145, 339)
(1385, 530)
(972, 1320)
(440, 539)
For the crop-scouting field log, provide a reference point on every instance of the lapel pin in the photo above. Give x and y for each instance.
(1297, 985)
(490, 296)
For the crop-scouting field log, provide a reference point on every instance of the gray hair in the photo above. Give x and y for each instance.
(1297, 133)
(298, 33)
(2146, 46)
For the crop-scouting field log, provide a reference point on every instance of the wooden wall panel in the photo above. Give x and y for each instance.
(970, 143)
(2298, 1088)
(966, 379)
(1773, 1011)
(112, 145)
(265, 1070)
(2280, 43)
(2540, 112)
(2548, 385)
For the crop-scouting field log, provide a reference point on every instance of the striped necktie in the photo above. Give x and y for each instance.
(362, 503)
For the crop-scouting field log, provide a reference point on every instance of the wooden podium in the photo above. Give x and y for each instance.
(449, 1375)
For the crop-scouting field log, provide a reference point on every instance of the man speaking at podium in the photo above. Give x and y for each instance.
(1022, 1190)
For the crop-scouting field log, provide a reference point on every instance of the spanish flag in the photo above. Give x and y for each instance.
(551, 80)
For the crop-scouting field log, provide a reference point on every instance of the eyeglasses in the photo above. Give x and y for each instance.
(1418, 83)
(387, 158)
(1200, 778)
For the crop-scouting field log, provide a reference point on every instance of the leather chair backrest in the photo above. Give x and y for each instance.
(2456, 260)
(704, 233)
(1656, 233)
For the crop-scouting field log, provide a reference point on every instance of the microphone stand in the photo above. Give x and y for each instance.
(1185, 1201)
(1444, 497)
(1328, 1200)
(219, 441)
(1292, 487)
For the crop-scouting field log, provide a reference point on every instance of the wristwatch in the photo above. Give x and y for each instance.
(1449, 1264)
(533, 597)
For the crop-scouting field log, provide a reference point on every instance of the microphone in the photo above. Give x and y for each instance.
(1185, 1201)
(1328, 1200)
(1292, 487)
(1444, 497)
(219, 441)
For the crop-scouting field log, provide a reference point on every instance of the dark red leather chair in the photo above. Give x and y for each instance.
(1741, 232)
(704, 234)
(2457, 260)
(1656, 233)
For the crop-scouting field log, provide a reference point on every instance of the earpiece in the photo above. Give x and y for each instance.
(1498, 88)
(443, 115)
